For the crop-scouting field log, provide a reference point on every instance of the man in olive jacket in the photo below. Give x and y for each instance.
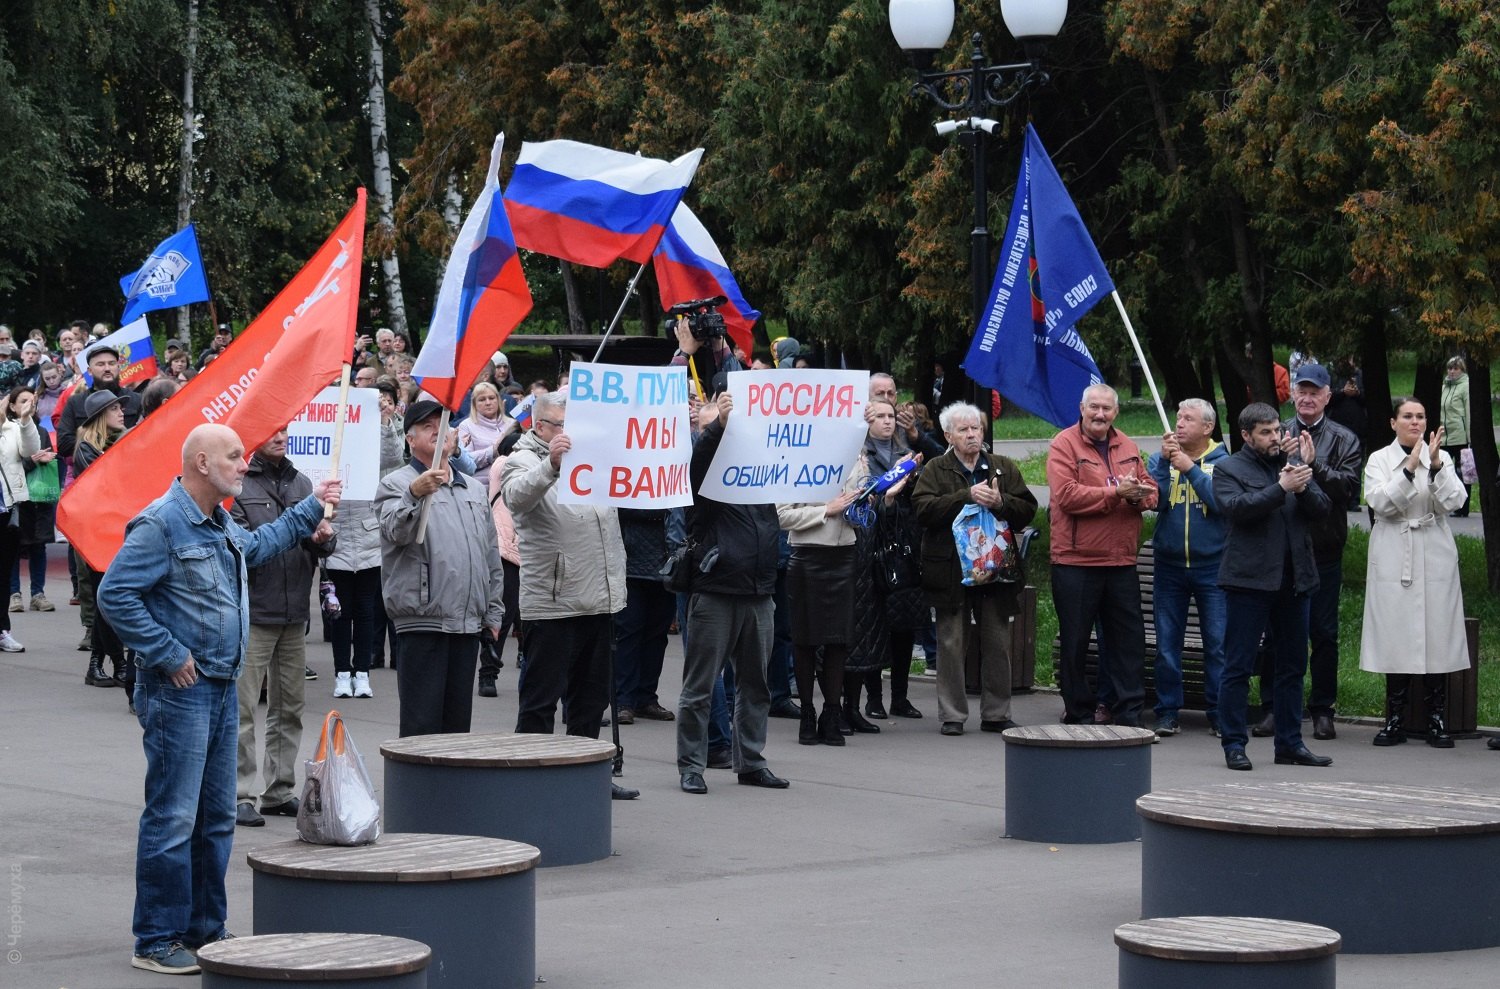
(962, 476)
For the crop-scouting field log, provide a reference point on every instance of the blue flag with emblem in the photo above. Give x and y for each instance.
(1049, 275)
(172, 276)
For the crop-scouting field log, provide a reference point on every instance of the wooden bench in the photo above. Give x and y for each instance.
(473, 900)
(1193, 678)
(551, 791)
(1226, 953)
(1075, 784)
(1393, 869)
(312, 961)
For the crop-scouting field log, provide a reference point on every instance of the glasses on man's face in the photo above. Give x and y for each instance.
(550, 422)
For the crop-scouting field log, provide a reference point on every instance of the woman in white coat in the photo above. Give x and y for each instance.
(1414, 612)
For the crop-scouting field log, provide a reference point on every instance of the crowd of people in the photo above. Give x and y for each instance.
(793, 610)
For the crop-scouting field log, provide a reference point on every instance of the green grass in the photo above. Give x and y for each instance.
(1360, 693)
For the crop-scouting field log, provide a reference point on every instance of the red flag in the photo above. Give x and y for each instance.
(257, 385)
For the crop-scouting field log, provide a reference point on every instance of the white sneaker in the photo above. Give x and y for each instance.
(342, 686)
(8, 643)
(362, 685)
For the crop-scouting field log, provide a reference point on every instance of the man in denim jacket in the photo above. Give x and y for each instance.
(177, 594)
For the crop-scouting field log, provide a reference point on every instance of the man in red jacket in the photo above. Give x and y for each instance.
(1099, 488)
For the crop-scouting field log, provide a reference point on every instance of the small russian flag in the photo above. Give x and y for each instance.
(591, 205)
(522, 412)
(484, 296)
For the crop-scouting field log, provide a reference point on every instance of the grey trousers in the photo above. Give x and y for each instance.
(736, 628)
(991, 624)
(277, 657)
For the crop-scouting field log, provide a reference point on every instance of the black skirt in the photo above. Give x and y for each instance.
(820, 592)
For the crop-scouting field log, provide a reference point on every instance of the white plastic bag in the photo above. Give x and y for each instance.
(338, 801)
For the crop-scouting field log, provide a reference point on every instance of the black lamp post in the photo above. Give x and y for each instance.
(921, 28)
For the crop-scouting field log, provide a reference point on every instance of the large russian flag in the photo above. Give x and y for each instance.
(484, 296)
(689, 265)
(591, 205)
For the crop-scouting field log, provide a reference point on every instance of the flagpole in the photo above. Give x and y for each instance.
(1141, 356)
(629, 291)
(338, 432)
(438, 451)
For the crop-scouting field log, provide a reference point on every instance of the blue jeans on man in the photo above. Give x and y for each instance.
(1173, 587)
(187, 828)
(1249, 613)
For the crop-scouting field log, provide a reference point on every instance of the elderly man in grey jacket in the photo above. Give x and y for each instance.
(572, 583)
(443, 593)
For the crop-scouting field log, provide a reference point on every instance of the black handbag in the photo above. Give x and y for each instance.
(897, 567)
(677, 571)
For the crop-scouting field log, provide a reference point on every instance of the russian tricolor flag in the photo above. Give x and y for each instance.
(484, 296)
(690, 266)
(591, 205)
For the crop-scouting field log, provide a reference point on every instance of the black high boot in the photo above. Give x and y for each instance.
(1395, 700)
(1437, 704)
(874, 687)
(96, 677)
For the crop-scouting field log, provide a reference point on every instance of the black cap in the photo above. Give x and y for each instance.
(98, 402)
(100, 348)
(420, 412)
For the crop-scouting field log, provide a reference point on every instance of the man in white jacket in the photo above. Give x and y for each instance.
(572, 584)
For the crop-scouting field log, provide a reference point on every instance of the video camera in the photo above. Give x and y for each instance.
(702, 317)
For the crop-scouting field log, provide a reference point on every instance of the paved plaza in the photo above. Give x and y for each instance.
(883, 865)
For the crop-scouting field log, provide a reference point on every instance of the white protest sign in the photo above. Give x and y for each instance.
(793, 436)
(309, 441)
(631, 437)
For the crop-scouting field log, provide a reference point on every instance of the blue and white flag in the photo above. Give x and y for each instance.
(1025, 346)
(172, 276)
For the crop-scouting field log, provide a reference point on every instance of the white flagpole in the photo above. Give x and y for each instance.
(1140, 356)
(338, 431)
(442, 443)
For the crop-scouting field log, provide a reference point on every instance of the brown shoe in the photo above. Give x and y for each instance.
(654, 712)
(625, 717)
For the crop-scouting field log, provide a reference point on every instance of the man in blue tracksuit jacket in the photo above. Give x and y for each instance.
(1188, 543)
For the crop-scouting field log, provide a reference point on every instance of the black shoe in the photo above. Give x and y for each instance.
(1392, 733)
(1265, 727)
(618, 792)
(857, 721)
(876, 710)
(96, 677)
(308, 673)
(828, 727)
(1236, 759)
(807, 732)
(903, 709)
(625, 716)
(487, 687)
(787, 709)
(1437, 733)
(765, 778)
(288, 809)
(654, 712)
(1493, 743)
(997, 725)
(1300, 756)
(693, 783)
(1323, 729)
(842, 723)
(720, 759)
(246, 817)
(952, 728)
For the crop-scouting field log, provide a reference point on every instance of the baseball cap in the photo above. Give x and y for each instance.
(1313, 374)
(419, 412)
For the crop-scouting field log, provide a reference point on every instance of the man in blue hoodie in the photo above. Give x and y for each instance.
(1188, 543)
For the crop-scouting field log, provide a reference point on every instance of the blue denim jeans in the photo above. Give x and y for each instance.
(187, 828)
(1174, 586)
(1249, 612)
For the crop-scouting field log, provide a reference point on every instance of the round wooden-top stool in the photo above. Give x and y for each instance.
(1226, 953)
(551, 791)
(1075, 784)
(1393, 869)
(324, 961)
(472, 900)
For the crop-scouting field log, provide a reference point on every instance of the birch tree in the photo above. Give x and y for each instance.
(384, 237)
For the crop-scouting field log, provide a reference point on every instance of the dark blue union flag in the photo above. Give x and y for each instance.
(1049, 275)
